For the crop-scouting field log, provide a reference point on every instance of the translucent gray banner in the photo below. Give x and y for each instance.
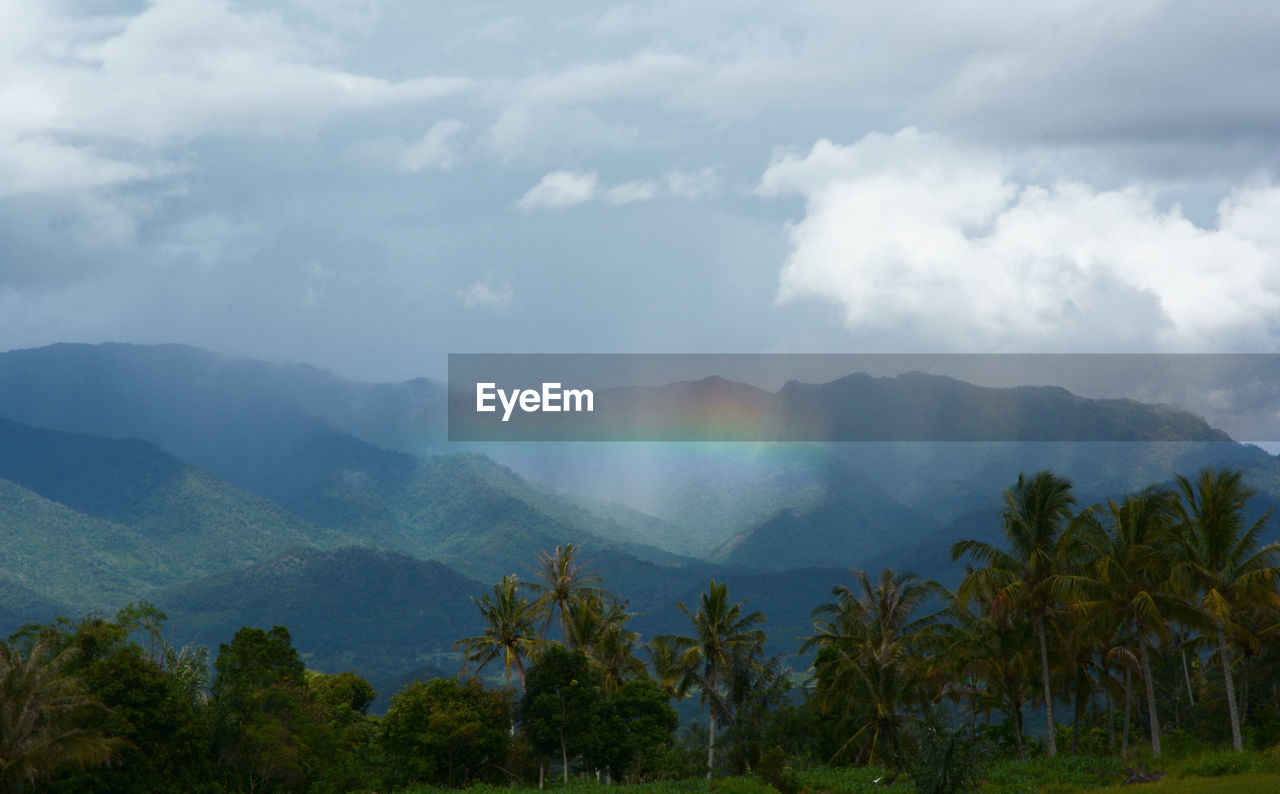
(864, 397)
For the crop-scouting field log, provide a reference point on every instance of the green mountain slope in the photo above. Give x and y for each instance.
(53, 553)
(377, 612)
(91, 521)
(849, 521)
(20, 604)
(462, 509)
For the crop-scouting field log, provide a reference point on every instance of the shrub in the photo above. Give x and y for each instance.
(773, 770)
(947, 759)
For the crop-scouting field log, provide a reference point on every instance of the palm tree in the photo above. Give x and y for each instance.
(564, 582)
(869, 664)
(1125, 593)
(598, 626)
(1222, 564)
(510, 629)
(43, 712)
(1034, 515)
(1008, 655)
(664, 664)
(886, 610)
(723, 634)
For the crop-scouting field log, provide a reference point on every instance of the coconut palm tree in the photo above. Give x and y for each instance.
(995, 643)
(723, 634)
(598, 626)
(664, 664)
(1125, 592)
(562, 582)
(1221, 563)
(510, 629)
(1035, 513)
(43, 716)
(869, 663)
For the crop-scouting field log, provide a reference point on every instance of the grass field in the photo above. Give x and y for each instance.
(1213, 773)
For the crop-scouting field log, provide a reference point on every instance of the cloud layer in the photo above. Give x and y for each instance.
(338, 180)
(913, 233)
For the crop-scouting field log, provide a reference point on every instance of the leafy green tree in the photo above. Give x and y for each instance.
(1035, 513)
(159, 729)
(345, 694)
(44, 712)
(340, 732)
(445, 731)
(255, 660)
(560, 706)
(163, 733)
(510, 630)
(267, 730)
(722, 632)
(634, 725)
(1222, 564)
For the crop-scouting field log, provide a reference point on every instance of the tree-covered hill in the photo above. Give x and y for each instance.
(21, 604)
(377, 612)
(152, 517)
(52, 554)
(848, 521)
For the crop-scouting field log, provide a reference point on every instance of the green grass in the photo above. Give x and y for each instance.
(1252, 783)
(854, 780)
(1064, 773)
(1220, 771)
(729, 785)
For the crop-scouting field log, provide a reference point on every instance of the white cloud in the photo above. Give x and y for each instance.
(37, 163)
(178, 70)
(913, 234)
(691, 184)
(629, 192)
(560, 189)
(555, 112)
(433, 150)
(490, 294)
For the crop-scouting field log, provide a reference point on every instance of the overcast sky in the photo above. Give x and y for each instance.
(368, 185)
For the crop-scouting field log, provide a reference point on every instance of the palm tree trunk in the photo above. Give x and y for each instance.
(1075, 716)
(1244, 691)
(1111, 721)
(1186, 675)
(1048, 691)
(973, 713)
(1225, 659)
(1128, 712)
(1017, 726)
(711, 743)
(1153, 718)
(564, 756)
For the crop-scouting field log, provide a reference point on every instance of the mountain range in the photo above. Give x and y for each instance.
(235, 492)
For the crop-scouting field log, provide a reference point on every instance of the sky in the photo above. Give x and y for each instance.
(369, 185)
